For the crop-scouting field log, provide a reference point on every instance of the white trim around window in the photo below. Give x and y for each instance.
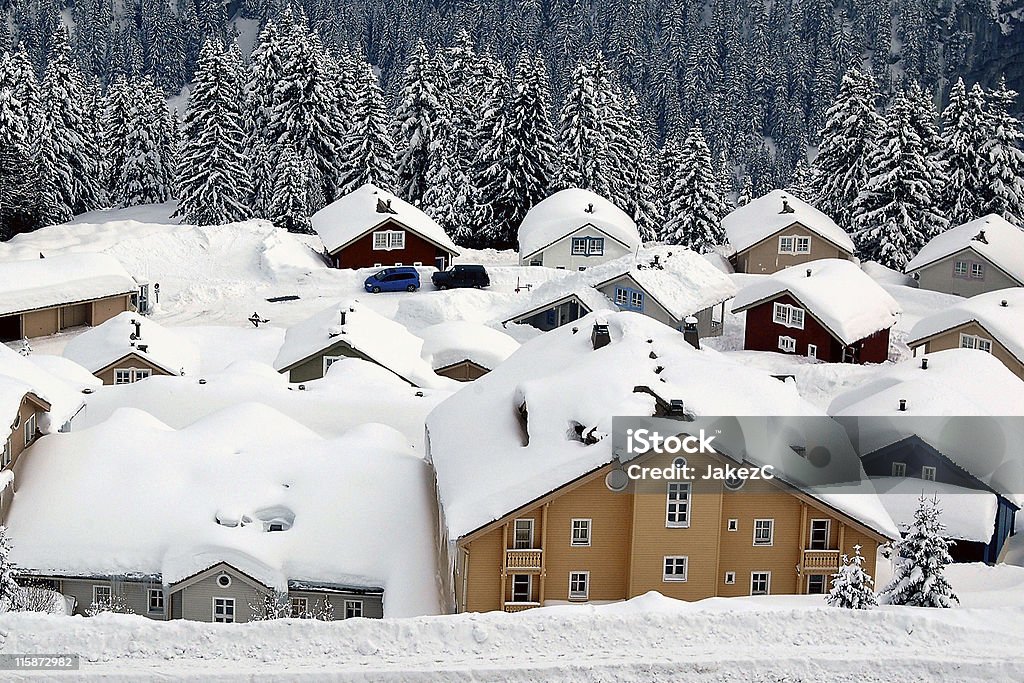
(107, 590)
(30, 430)
(579, 535)
(353, 609)
(223, 610)
(730, 578)
(973, 341)
(764, 532)
(788, 315)
(388, 240)
(677, 505)
(579, 585)
(760, 583)
(899, 469)
(155, 600)
(928, 473)
(675, 568)
(787, 344)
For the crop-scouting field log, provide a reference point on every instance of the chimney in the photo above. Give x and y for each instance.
(675, 408)
(138, 330)
(342, 318)
(903, 405)
(1003, 303)
(600, 336)
(384, 206)
(924, 363)
(590, 208)
(690, 334)
(143, 348)
(786, 208)
(808, 272)
(980, 237)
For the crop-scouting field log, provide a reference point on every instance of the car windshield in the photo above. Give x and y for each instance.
(380, 274)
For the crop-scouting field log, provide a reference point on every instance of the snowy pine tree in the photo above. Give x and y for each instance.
(19, 210)
(289, 204)
(583, 148)
(417, 115)
(148, 146)
(896, 214)
(921, 556)
(852, 586)
(213, 180)
(8, 586)
(1003, 154)
(694, 206)
(964, 125)
(368, 150)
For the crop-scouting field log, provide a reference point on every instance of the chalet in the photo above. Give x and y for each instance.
(538, 496)
(20, 409)
(465, 351)
(992, 322)
(575, 229)
(250, 520)
(351, 330)
(129, 347)
(669, 284)
(47, 295)
(371, 228)
(981, 256)
(827, 310)
(779, 230)
(979, 517)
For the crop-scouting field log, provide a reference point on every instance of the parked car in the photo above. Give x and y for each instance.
(461, 276)
(393, 280)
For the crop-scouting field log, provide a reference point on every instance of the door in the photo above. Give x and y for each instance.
(74, 316)
(523, 534)
(440, 262)
(522, 588)
(819, 534)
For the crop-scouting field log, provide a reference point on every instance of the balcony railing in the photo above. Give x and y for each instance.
(821, 559)
(526, 560)
(520, 606)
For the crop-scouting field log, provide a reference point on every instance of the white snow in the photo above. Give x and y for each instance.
(1004, 323)
(12, 393)
(355, 214)
(385, 341)
(1003, 245)
(763, 217)
(969, 514)
(134, 495)
(66, 370)
(837, 292)
(458, 340)
(98, 347)
(566, 212)
(65, 401)
(61, 279)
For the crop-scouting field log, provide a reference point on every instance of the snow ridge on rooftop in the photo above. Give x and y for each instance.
(992, 236)
(1005, 323)
(568, 210)
(763, 217)
(457, 340)
(60, 279)
(64, 400)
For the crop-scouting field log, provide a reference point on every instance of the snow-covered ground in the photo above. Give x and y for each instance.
(649, 638)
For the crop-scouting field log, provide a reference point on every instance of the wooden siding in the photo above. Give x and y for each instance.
(197, 597)
(313, 367)
(16, 439)
(373, 605)
(653, 309)
(939, 276)
(466, 371)
(762, 334)
(950, 339)
(46, 321)
(559, 254)
(105, 309)
(135, 593)
(764, 257)
(131, 360)
(361, 254)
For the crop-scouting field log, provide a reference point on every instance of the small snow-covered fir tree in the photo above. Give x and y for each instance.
(852, 586)
(289, 204)
(746, 194)
(417, 115)
(695, 209)
(921, 557)
(1003, 154)
(8, 586)
(19, 197)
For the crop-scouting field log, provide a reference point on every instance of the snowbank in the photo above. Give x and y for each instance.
(765, 216)
(99, 346)
(991, 236)
(458, 340)
(568, 210)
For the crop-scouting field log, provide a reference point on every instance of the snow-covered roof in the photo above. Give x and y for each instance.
(569, 210)
(98, 347)
(65, 401)
(956, 382)
(969, 514)
(837, 293)
(1004, 323)
(12, 393)
(991, 236)
(384, 341)
(682, 281)
(67, 370)
(86, 504)
(61, 279)
(352, 216)
(765, 216)
(455, 341)
(499, 473)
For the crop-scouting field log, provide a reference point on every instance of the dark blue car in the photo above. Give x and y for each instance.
(393, 280)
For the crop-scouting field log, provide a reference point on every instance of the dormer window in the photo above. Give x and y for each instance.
(790, 316)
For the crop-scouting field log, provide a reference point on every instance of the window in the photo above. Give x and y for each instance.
(142, 373)
(7, 454)
(629, 299)
(122, 376)
(960, 268)
(812, 351)
(786, 245)
(223, 610)
(675, 568)
(819, 534)
(329, 361)
(760, 583)
(803, 245)
(580, 532)
(899, 469)
(763, 531)
(816, 584)
(30, 429)
(523, 534)
(101, 595)
(787, 344)
(677, 507)
(730, 577)
(636, 300)
(579, 246)
(978, 271)
(579, 585)
(971, 341)
(928, 473)
(223, 580)
(353, 608)
(300, 608)
(156, 599)
(388, 239)
(522, 587)
(587, 246)
(733, 525)
(790, 316)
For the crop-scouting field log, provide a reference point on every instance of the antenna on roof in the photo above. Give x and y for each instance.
(255, 319)
(384, 206)
(41, 255)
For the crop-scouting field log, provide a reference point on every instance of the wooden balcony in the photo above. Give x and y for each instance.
(520, 606)
(523, 561)
(821, 560)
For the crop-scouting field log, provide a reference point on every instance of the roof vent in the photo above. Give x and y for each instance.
(786, 208)
(903, 405)
(690, 333)
(1004, 303)
(575, 329)
(590, 208)
(202, 381)
(302, 387)
(384, 206)
(980, 237)
(924, 363)
(675, 408)
(342, 318)
(143, 347)
(600, 337)
(137, 334)
(808, 272)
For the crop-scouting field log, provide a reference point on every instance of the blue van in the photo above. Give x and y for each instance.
(405, 279)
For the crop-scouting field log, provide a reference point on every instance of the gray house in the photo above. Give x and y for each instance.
(981, 256)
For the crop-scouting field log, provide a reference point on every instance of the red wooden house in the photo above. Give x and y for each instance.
(829, 310)
(372, 228)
